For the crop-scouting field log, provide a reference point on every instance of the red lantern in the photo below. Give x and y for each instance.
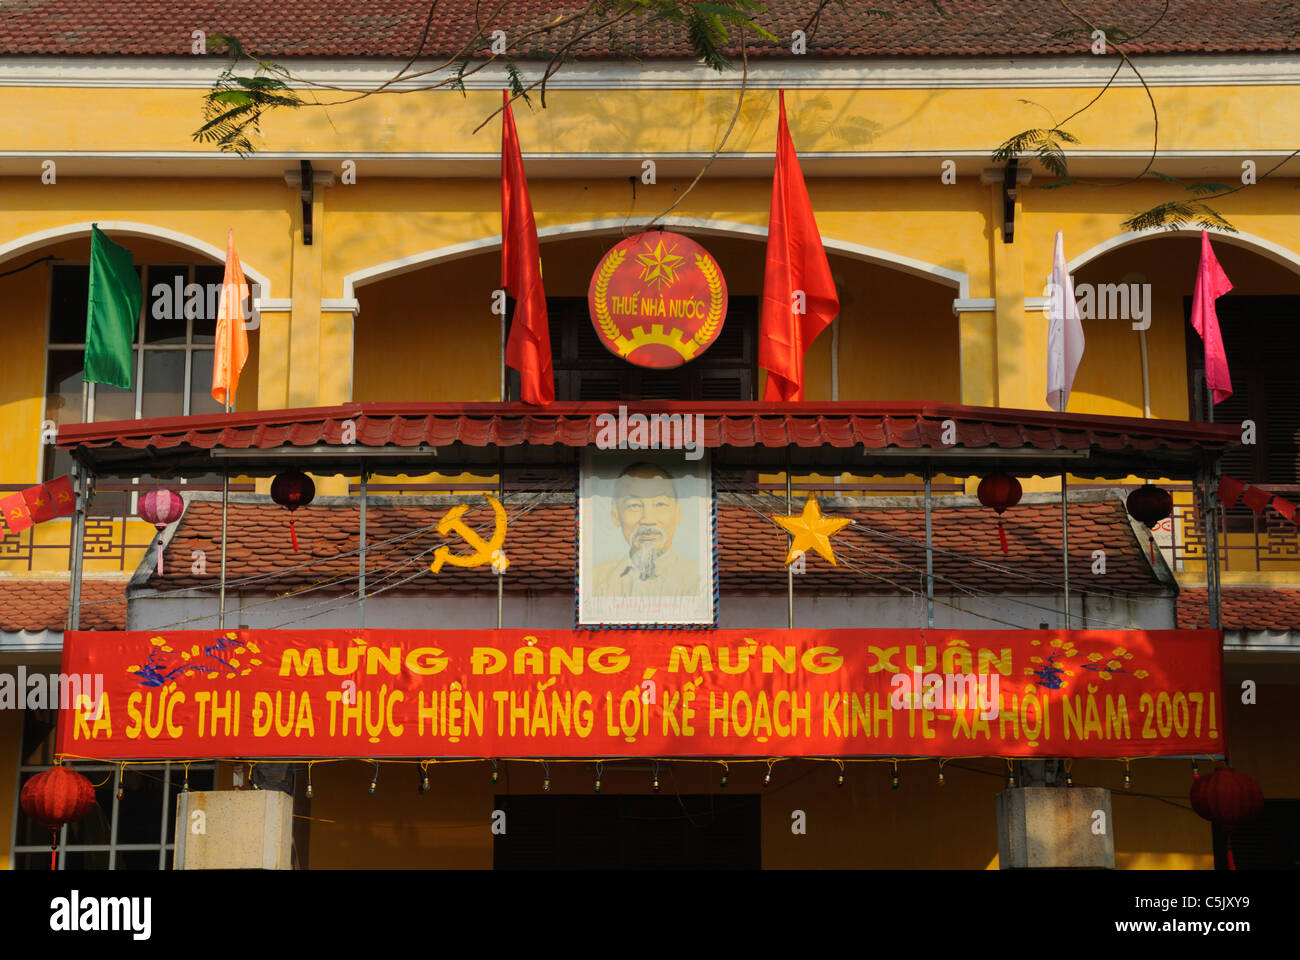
(161, 507)
(57, 796)
(1150, 504)
(1228, 799)
(1000, 491)
(292, 490)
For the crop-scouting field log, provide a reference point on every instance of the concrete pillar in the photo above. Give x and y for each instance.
(1055, 827)
(234, 830)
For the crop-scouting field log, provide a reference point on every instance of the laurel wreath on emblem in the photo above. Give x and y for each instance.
(710, 324)
(675, 338)
(607, 325)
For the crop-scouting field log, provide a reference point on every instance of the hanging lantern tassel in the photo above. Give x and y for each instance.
(293, 535)
(1002, 535)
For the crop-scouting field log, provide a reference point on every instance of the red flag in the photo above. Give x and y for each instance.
(1211, 283)
(1257, 499)
(14, 510)
(1285, 507)
(529, 347)
(799, 299)
(39, 505)
(62, 495)
(1229, 491)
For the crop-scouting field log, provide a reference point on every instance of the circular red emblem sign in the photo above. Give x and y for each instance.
(657, 299)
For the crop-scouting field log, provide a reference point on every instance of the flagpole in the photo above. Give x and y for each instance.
(929, 551)
(80, 477)
(225, 510)
(1065, 543)
(501, 498)
(361, 561)
(1065, 527)
(789, 569)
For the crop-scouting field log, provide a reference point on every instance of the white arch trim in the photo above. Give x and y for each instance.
(34, 241)
(1267, 248)
(1247, 241)
(721, 228)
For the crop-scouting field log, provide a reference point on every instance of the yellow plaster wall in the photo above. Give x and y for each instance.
(631, 120)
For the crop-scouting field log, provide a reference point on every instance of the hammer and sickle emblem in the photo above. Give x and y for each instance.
(485, 551)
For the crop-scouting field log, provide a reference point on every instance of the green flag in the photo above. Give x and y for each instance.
(112, 310)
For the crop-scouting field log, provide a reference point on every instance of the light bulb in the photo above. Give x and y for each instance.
(598, 784)
(424, 783)
(893, 781)
(767, 777)
(839, 780)
(309, 793)
(654, 784)
(546, 783)
(723, 782)
(941, 776)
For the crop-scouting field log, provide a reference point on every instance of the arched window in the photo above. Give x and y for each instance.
(172, 353)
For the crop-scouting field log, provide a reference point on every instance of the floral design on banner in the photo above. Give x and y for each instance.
(165, 665)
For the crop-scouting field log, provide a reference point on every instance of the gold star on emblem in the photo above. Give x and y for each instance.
(811, 530)
(659, 266)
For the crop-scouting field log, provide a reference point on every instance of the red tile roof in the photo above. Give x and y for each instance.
(32, 604)
(1244, 608)
(845, 428)
(540, 547)
(393, 28)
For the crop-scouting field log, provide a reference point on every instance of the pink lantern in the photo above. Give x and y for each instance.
(161, 507)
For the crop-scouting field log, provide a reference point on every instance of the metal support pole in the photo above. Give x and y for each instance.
(225, 510)
(361, 556)
(1065, 544)
(789, 569)
(503, 358)
(929, 552)
(81, 481)
(501, 497)
(1213, 587)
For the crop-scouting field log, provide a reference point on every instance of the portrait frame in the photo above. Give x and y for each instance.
(606, 570)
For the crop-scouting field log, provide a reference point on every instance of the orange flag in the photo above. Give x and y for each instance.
(232, 339)
(799, 299)
(529, 347)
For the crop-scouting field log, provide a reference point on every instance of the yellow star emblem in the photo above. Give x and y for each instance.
(812, 531)
(659, 266)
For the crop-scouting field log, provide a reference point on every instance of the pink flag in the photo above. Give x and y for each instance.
(1211, 283)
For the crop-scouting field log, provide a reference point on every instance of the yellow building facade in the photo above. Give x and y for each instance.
(392, 301)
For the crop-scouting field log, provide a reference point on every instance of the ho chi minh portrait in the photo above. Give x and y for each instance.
(645, 540)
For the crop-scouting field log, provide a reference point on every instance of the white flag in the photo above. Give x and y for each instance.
(1064, 331)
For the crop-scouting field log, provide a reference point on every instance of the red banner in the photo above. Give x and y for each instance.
(651, 693)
